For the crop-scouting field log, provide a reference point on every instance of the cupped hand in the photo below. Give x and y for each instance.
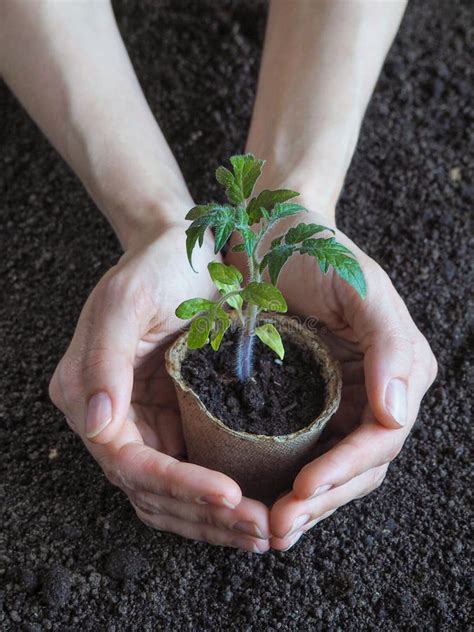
(113, 388)
(387, 367)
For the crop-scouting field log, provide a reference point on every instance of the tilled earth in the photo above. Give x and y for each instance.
(74, 557)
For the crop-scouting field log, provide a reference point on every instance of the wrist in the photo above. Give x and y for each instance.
(139, 214)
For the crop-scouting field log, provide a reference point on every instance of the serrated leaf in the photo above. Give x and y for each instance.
(265, 296)
(247, 170)
(303, 231)
(222, 233)
(249, 238)
(241, 217)
(224, 176)
(225, 273)
(266, 200)
(193, 306)
(329, 252)
(270, 336)
(276, 259)
(220, 326)
(285, 209)
(233, 188)
(195, 233)
(218, 216)
(199, 332)
(198, 211)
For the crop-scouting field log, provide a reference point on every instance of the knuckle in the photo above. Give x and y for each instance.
(111, 469)
(145, 518)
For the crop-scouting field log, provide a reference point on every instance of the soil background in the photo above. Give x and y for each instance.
(74, 557)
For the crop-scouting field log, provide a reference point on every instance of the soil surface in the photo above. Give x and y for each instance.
(73, 556)
(280, 398)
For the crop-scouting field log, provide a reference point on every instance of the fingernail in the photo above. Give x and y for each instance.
(215, 500)
(396, 400)
(298, 522)
(319, 491)
(245, 545)
(99, 414)
(294, 540)
(250, 528)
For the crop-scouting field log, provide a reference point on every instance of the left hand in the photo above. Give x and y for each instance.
(387, 367)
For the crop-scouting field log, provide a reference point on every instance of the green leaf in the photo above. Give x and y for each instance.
(247, 170)
(195, 233)
(222, 233)
(193, 306)
(220, 326)
(198, 211)
(285, 209)
(303, 231)
(270, 336)
(266, 200)
(225, 273)
(238, 248)
(199, 332)
(227, 279)
(265, 295)
(218, 216)
(276, 259)
(249, 238)
(224, 176)
(330, 252)
(233, 189)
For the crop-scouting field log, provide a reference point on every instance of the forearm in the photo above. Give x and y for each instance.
(320, 63)
(67, 65)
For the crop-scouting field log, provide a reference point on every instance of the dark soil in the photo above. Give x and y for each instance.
(398, 560)
(280, 398)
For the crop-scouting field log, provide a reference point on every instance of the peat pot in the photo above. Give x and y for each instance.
(263, 466)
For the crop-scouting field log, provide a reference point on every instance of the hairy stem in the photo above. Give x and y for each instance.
(246, 340)
(244, 360)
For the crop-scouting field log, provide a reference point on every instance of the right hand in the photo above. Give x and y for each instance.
(113, 388)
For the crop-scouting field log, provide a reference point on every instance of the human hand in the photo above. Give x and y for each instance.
(113, 388)
(387, 366)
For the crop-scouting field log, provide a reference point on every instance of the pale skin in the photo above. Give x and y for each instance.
(111, 384)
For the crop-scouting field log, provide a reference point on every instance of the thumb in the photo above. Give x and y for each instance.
(108, 342)
(384, 326)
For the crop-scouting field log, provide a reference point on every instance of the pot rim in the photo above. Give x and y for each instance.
(330, 369)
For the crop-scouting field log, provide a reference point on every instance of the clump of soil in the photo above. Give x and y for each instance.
(280, 398)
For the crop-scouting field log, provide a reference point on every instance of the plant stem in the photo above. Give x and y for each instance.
(247, 333)
(244, 353)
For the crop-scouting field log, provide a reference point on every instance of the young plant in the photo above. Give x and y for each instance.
(210, 319)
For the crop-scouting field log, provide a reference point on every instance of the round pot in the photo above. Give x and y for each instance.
(263, 466)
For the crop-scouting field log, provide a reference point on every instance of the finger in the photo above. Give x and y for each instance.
(390, 341)
(140, 468)
(203, 532)
(96, 373)
(291, 516)
(369, 446)
(108, 359)
(249, 517)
